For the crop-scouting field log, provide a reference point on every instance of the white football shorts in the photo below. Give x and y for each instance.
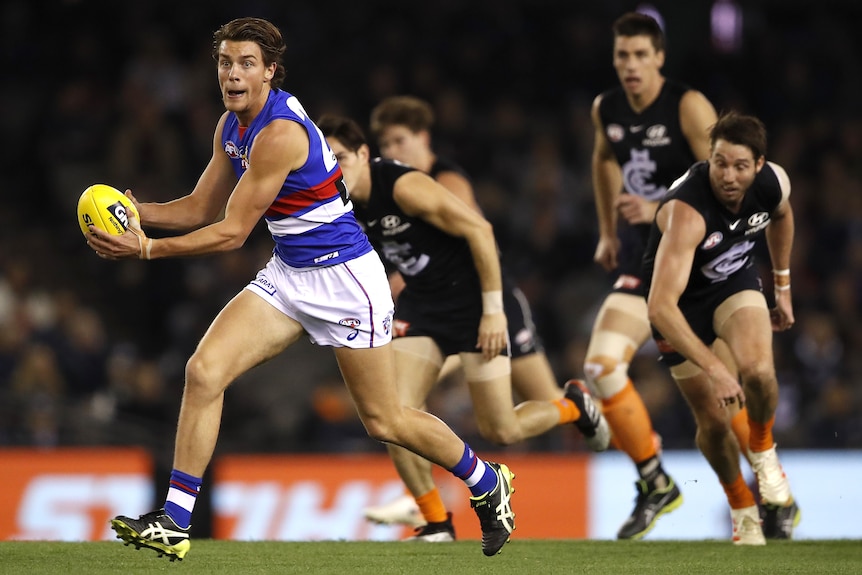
(343, 305)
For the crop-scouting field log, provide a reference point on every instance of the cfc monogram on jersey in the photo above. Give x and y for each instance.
(638, 175)
(649, 146)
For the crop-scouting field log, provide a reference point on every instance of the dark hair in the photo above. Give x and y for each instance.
(263, 33)
(741, 130)
(342, 129)
(407, 111)
(638, 24)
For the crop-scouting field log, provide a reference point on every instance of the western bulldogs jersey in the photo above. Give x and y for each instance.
(311, 219)
(727, 247)
(430, 260)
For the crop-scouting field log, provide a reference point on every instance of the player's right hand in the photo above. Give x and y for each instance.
(493, 335)
(133, 243)
(727, 390)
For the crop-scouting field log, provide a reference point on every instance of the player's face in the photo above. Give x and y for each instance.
(351, 163)
(402, 144)
(243, 78)
(732, 168)
(637, 63)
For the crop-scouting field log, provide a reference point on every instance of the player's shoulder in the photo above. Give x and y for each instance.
(687, 94)
(608, 104)
(775, 175)
(388, 166)
(385, 173)
(678, 87)
(609, 96)
(695, 179)
(443, 165)
(776, 169)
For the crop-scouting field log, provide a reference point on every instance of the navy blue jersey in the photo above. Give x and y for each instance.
(446, 165)
(431, 261)
(727, 246)
(652, 152)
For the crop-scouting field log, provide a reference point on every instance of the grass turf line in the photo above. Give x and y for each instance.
(519, 557)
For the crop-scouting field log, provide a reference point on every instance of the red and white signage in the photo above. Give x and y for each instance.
(70, 494)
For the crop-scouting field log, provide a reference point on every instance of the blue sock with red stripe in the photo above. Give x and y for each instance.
(182, 494)
(471, 470)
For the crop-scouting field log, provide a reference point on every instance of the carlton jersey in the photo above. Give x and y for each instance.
(311, 219)
(431, 261)
(726, 251)
(652, 152)
(444, 165)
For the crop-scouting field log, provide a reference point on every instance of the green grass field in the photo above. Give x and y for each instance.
(525, 557)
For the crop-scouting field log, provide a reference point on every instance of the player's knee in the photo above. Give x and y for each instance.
(203, 377)
(500, 435)
(380, 429)
(606, 376)
(757, 375)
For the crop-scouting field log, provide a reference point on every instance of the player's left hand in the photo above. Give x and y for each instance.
(493, 335)
(782, 314)
(635, 209)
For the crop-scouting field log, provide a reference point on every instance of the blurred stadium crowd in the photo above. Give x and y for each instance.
(125, 93)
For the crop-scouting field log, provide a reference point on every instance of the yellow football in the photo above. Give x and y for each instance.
(106, 208)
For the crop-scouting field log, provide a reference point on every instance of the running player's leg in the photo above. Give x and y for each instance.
(739, 423)
(534, 383)
(743, 321)
(376, 398)
(533, 378)
(248, 331)
(715, 440)
(620, 329)
(418, 361)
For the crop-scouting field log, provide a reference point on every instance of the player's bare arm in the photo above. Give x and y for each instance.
(696, 117)
(683, 230)
(779, 238)
(421, 196)
(460, 186)
(607, 188)
(277, 149)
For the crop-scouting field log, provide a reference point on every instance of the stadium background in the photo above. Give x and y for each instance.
(91, 353)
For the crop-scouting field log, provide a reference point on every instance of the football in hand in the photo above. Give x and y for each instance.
(106, 208)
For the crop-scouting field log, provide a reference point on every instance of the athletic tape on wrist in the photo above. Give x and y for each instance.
(146, 244)
(492, 302)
